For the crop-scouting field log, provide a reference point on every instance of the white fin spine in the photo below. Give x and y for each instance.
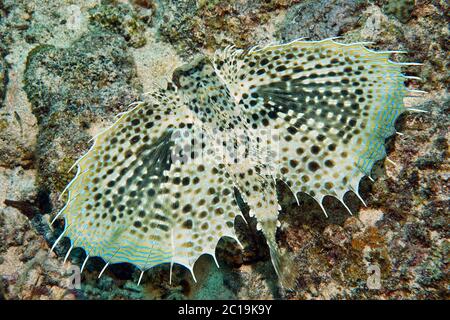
(84, 263)
(416, 91)
(322, 207)
(76, 163)
(107, 263)
(296, 198)
(63, 208)
(213, 255)
(243, 217)
(103, 270)
(406, 63)
(355, 191)
(173, 254)
(59, 238)
(140, 277)
(170, 272)
(346, 207)
(68, 253)
(237, 240)
(412, 77)
(71, 182)
(417, 110)
(59, 213)
(392, 162)
(191, 270)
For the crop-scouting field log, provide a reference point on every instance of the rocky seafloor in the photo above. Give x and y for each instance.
(68, 67)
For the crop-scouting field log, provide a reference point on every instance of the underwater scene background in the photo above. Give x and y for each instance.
(67, 68)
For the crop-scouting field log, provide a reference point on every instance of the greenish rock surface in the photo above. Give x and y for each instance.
(331, 19)
(401, 9)
(66, 70)
(69, 88)
(3, 77)
(121, 19)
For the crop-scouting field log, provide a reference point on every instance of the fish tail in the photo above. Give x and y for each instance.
(284, 266)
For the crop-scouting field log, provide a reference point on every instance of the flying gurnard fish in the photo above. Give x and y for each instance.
(312, 114)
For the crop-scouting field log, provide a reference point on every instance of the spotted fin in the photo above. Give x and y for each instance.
(328, 107)
(331, 105)
(137, 199)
